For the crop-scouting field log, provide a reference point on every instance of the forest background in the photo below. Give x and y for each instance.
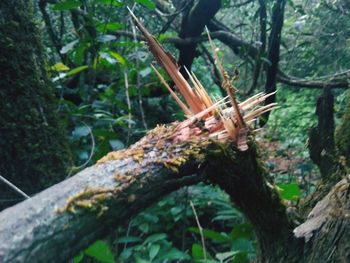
(106, 97)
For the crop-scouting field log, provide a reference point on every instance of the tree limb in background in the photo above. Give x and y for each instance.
(273, 53)
(192, 25)
(338, 80)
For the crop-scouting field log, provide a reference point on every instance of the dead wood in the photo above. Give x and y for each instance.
(62, 220)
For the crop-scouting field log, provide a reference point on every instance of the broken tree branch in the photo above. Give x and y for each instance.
(62, 220)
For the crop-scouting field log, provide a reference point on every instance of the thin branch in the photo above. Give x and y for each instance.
(138, 80)
(128, 103)
(200, 231)
(262, 48)
(4, 180)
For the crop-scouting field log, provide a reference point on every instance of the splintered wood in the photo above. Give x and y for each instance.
(206, 118)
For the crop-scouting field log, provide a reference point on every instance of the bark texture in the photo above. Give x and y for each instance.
(59, 222)
(33, 149)
(327, 229)
(321, 137)
(62, 220)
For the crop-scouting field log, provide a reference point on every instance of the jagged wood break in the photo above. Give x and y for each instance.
(205, 118)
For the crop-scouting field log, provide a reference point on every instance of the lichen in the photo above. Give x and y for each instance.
(91, 199)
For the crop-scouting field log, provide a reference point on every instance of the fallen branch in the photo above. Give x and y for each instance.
(56, 224)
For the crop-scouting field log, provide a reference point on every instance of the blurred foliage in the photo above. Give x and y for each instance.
(109, 98)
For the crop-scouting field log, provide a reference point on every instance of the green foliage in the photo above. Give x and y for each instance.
(147, 3)
(170, 225)
(66, 5)
(100, 251)
(289, 191)
(102, 76)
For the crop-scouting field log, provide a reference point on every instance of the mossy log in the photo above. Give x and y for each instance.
(56, 224)
(60, 221)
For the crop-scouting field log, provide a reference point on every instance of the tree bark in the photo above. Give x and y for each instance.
(33, 148)
(62, 220)
(321, 138)
(273, 55)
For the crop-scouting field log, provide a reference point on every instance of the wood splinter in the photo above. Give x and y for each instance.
(217, 121)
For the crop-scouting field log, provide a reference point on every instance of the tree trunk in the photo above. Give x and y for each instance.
(273, 54)
(33, 150)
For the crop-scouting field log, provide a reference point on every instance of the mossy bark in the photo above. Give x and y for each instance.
(33, 148)
(57, 223)
(321, 137)
(342, 135)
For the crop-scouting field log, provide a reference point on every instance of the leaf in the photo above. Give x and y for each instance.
(80, 131)
(59, 67)
(101, 252)
(225, 255)
(147, 3)
(126, 254)
(243, 245)
(140, 260)
(197, 252)
(211, 234)
(112, 26)
(242, 231)
(66, 5)
(155, 237)
(175, 254)
(106, 38)
(76, 70)
(267, 61)
(109, 2)
(289, 191)
(144, 227)
(107, 57)
(118, 57)
(65, 49)
(60, 76)
(78, 258)
(128, 239)
(145, 72)
(153, 251)
(240, 257)
(116, 144)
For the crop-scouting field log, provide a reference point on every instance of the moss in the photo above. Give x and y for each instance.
(172, 157)
(33, 145)
(342, 135)
(91, 199)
